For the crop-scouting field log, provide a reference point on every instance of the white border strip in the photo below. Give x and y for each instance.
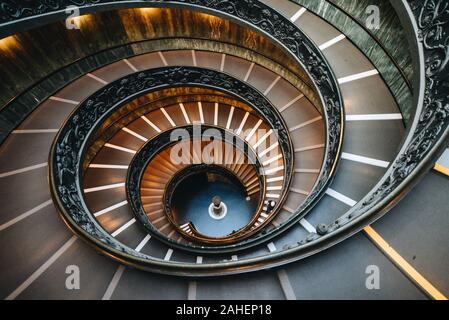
(290, 103)
(105, 187)
(26, 169)
(123, 228)
(318, 146)
(298, 14)
(299, 191)
(253, 130)
(331, 42)
(242, 124)
(183, 110)
(64, 100)
(340, 197)
(223, 61)
(358, 76)
(307, 225)
(118, 274)
(283, 278)
(271, 247)
(41, 269)
(143, 243)
(270, 148)
(108, 166)
(365, 160)
(267, 91)
(114, 282)
(231, 114)
(168, 254)
(286, 286)
(261, 140)
(270, 161)
(193, 286)
(135, 134)
(195, 63)
(200, 111)
(168, 117)
(92, 76)
(35, 131)
(161, 55)
(276, 179)
(113, 146)
(108, 209)
(307, 170)
(216, 114)
(248, 73)
(374, 117)
(302, 125)
(25, 215)
(133, 68)
(155, 127)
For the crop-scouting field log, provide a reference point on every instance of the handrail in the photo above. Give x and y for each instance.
(116, 93)
(425, 140)
(71, 140)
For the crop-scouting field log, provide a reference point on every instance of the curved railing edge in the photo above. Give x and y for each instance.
(323, 78)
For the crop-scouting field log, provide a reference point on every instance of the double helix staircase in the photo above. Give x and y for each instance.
(340, 156)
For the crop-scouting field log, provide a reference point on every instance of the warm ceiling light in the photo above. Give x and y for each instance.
(148, 10)
(8, 42)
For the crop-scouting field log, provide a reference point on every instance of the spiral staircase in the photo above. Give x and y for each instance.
(336, 156)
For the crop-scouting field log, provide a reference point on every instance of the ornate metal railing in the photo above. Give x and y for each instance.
(72, 139)
(69, 150)
(427, 21)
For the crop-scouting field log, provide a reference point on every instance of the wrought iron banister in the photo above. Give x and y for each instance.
(146, 154)
(71, 141)
(97, 107)
(428, 25)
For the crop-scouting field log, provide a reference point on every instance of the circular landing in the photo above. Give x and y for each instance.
(193, 196)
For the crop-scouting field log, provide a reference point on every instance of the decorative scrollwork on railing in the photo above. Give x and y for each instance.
(263, 19)
(11, 10)
(253, 13)
(429, 130)
(74, 137)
